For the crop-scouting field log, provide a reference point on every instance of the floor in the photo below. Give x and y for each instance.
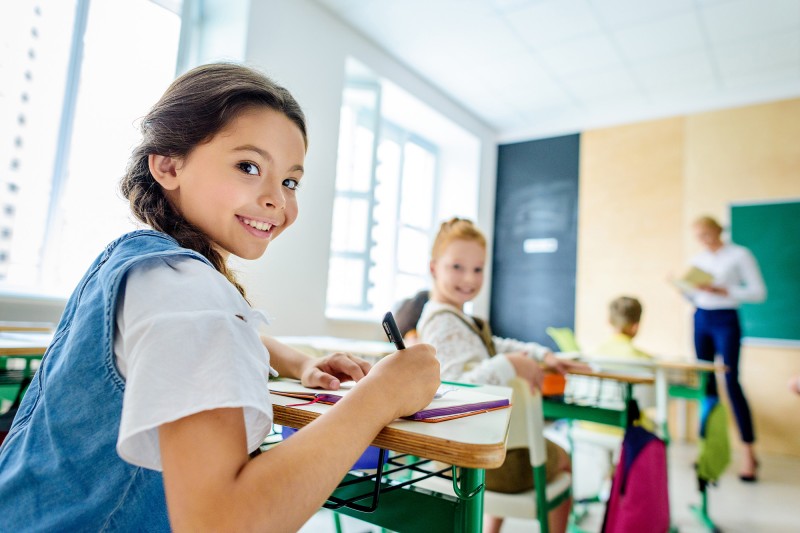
(770, 506)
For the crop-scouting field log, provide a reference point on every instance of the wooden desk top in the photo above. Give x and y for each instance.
(668, 364)
(42, 327)
(477, 441)
(19, 343)
(633, 379)
(337, 344)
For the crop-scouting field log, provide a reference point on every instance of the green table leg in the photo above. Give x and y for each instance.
(470, 495)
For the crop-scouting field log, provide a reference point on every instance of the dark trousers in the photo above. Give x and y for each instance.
(718, 332)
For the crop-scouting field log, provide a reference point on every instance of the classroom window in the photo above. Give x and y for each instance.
(392, 168)
(74, 78)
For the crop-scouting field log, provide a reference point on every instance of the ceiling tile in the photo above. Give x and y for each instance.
(731, 21)
(616, 14)
(764, 79)
(580, 55)
(668, 72)
(553, 21)
(662, 37)
(758, 55)
(610, 84)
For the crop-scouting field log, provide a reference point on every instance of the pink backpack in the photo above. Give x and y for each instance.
(639, 493)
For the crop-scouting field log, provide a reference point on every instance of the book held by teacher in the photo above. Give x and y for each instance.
(692, 279)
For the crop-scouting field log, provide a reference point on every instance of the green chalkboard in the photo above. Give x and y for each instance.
(771, 231)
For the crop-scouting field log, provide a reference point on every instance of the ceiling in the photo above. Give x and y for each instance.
(538, 68)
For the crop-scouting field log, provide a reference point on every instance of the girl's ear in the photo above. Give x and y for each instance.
(165, 170)
(433, 268)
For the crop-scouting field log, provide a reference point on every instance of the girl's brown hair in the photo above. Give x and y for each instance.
(195, 107)
(456, 229)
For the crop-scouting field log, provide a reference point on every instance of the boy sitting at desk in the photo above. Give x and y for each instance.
(624, 315)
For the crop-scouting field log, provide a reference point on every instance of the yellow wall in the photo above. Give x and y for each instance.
(641, 186)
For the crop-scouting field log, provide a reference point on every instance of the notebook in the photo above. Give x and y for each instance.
(693, 278)
(448, 404)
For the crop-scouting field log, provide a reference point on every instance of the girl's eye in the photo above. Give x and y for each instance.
(249, 168)
(291, 184)
(456, 266)
(478, 270)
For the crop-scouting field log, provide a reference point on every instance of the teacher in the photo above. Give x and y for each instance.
(736, 279)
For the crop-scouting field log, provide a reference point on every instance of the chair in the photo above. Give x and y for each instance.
(525, 430)
(564, 339)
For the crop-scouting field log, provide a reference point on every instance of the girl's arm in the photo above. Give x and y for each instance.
(211, 484)
(537, 351)
(325, 372)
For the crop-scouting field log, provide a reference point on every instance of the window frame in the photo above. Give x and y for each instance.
(382, 129)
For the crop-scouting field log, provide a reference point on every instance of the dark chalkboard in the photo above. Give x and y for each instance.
(536, 210)
(771, 231)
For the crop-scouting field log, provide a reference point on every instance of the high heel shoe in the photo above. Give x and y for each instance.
(751, 478)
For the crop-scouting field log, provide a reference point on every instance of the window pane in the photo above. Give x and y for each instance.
(413, 251)
(419, 172)
(345, 282)
(349, 228)
(34, 52)
(116, 88)
(356, 138)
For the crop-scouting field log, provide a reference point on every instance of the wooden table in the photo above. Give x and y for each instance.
(325, 345)
(473, 443)
(16, 343)
(661, 369)
(29, 346)
(564, 408)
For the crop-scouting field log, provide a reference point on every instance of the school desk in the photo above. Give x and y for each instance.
(473, 443)
(556, 408)
(692, 386)
(322, 345)
(26, 345)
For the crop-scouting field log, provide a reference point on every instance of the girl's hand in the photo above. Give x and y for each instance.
(405, 380)
(527, 369)
(563, 366)
(329, 372)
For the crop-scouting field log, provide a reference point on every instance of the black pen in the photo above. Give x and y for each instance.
(390, 327)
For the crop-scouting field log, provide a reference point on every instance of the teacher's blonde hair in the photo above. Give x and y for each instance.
(708, 222)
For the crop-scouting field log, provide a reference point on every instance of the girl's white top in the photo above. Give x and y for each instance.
(185, 342)
(461, 353)
(734, 268)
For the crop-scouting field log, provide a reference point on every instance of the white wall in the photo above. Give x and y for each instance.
(303, 47)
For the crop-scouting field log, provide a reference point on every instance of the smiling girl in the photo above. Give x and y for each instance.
(468, 352)
(153, 393)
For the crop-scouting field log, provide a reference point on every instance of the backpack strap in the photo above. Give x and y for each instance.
(479, 327)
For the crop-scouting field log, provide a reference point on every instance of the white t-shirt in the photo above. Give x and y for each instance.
(734, 268)
(186, 342)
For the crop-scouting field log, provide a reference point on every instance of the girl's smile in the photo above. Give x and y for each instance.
(258, 228)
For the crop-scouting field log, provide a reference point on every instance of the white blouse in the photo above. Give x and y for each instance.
(186, 341)
(734, 268)
(460, 350)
